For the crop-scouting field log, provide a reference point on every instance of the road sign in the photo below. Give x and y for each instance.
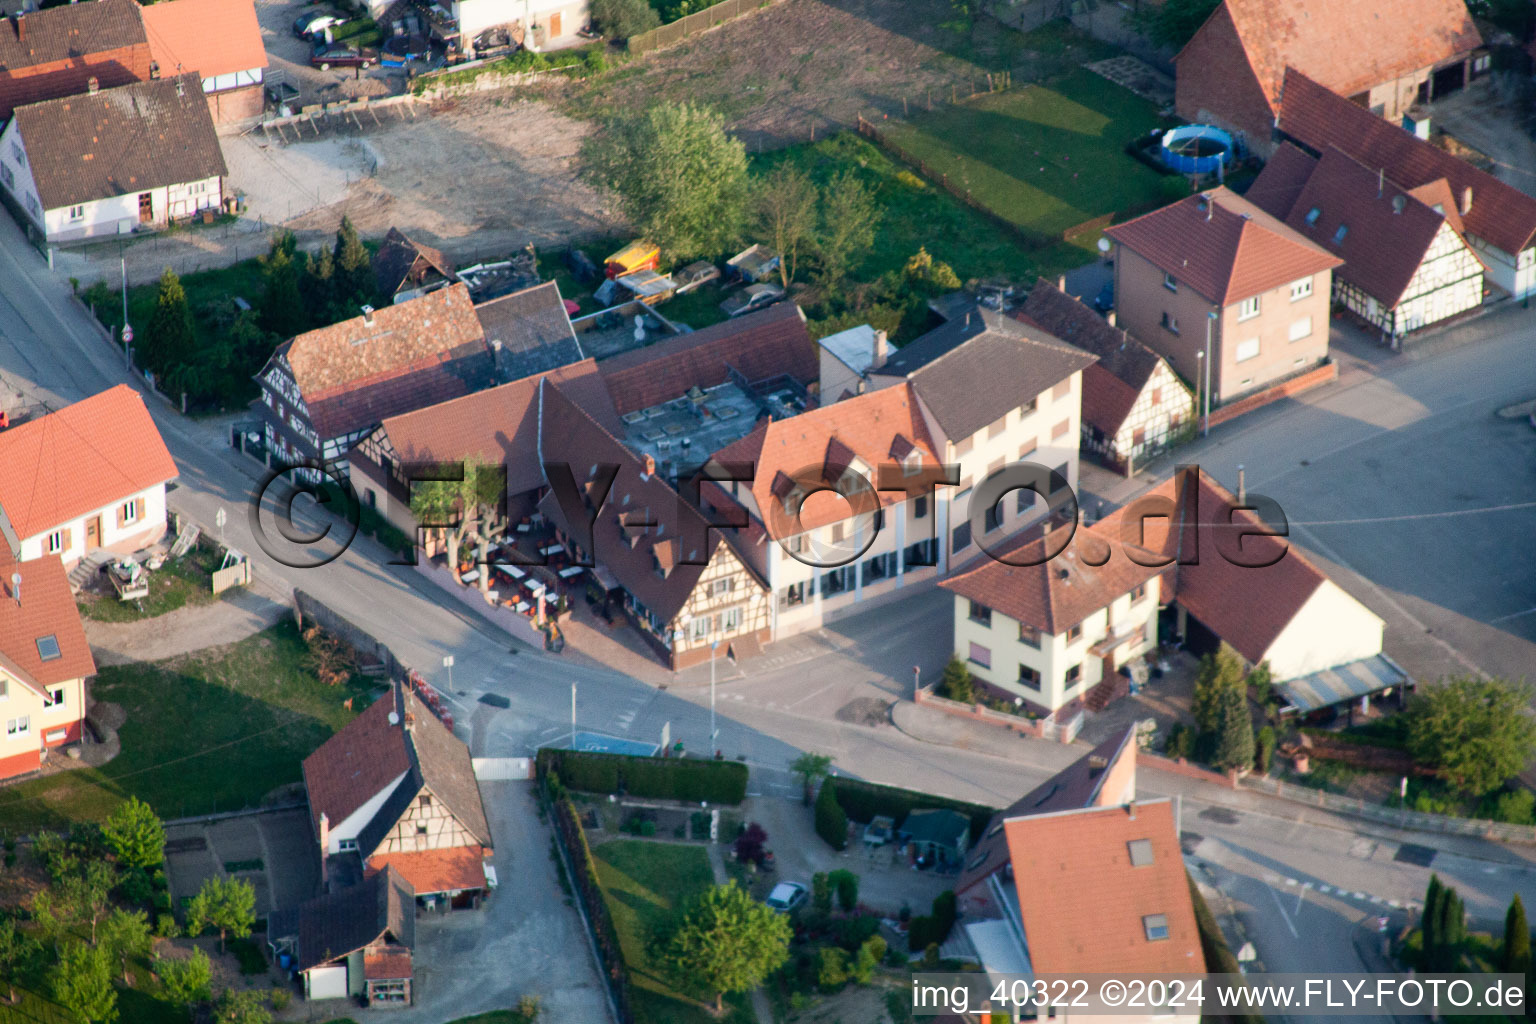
(447, 661)
(127, 334)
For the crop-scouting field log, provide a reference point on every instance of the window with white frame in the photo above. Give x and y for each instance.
(129, 513)
(701, 627)
(1301, 328)
(54, 542)
(1301, 289)
(77, 213)
(54, 698)
(346, 844)
(722, 586)
(15, 727)
(1169, 282)
(730, 620)
(1246, 350)
(1248, 308)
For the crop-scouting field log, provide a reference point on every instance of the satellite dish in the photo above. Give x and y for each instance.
(394, 718)
(639, 328)
(1104, 245)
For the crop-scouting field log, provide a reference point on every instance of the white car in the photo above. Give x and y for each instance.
(786, 896)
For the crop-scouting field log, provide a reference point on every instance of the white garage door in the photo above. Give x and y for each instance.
(328, 983)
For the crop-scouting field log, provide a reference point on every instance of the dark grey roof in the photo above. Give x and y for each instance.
(402, 262)
(533, 330)
(975, 368)
(1071, 321)
(340, 922)
(128, 139)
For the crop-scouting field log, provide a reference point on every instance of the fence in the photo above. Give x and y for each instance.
(360, 640)
(1403, 819)
(692, 24)
(1294, 386)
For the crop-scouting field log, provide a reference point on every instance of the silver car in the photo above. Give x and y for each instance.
(786, 896)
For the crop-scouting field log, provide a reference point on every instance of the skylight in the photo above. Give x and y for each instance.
(48, 647)
(1312, 216)
(1156, 926)
(1141, 852)
(1338, 236)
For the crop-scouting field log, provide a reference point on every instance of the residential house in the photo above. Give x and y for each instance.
(395, 788)
(992, 391)
(1055, 617)
(113, 161)
(1104, 777)
(1407, 263)
(681, 584)
(354, 942)
(551, 22)
(324, 391)
(1385, 55)
(498, 426)
(405, 269)
(218, 40)
(44, 662)
(1498, 220)
(1213, 278)
(846, 360)
(90, 476)
(1134, 405)
(53, 53)
(530, 331)
(821, 555)
(1095, 890)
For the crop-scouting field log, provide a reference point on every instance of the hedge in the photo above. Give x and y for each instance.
(935, 927)
(831, 820)
(863, 801)
(719, 782)
(573, 839)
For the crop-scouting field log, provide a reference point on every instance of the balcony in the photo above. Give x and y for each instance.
(1118, 637)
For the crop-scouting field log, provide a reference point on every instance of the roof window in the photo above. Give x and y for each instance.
(1141, 852)
(48, 648)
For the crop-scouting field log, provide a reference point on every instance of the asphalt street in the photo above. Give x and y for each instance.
(1415, 436)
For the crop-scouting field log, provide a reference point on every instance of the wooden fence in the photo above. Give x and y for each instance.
(693, 24)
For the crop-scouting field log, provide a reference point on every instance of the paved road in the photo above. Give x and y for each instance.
(1426, 419)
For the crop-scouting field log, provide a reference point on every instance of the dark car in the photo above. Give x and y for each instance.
(340, 55)
(751, 299)
(317, 20)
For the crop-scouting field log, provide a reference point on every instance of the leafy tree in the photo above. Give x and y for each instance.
(749, 845)
(126, 935)
(1474, 732)
(82, 984)
(846, 884)
(1171, 24)
(728, 942)
(169, 342)
(956, 682)
(282, 303)
(620, 19)
(929, 276)
(17, 950)
(1218, 673)
(1234, 734)
(459, 506)
(227, 905)
(241, 1007)
(680, 179)
(832, 968)
(1262, 682)
(831, 819)
(871, 952)
(186, 982)
(784, 208)
(134, 834)
(811, 768)
(821, 893)
(354, 283)
(87, 894)
(849, 217)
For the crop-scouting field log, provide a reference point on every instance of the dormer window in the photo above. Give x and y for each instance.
(912, 464)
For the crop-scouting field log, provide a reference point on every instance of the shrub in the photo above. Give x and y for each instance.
(871, 952)
(931, 957)
(623, 18)
(721, 782)
(1180, 741)
(846, 884)
(832, 969)
(750, 844)
(166, 926)
(853, 932)
(831, 819)
(862, 801)
(1516, 808)
(280, 998)
(821, 893)
(1266, 747)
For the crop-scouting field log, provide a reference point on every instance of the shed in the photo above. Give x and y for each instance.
(637, 255)
(938, 835)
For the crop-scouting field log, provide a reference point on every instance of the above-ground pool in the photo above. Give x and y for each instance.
(1196, 149)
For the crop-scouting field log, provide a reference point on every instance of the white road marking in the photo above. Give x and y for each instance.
(1283, 914)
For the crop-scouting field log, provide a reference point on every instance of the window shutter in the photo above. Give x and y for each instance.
(69, 539)
(138, 510)
(119, 513)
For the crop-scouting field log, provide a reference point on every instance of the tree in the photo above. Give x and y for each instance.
(871, 952)
(17, 949)
(1171, 24)
(1429, 923)
(784, 208)
(126, 935)
(831, 819)
(459, 506)
(750, 844)
(1475, 732)
(354, 283)
(186, 982)
(1515, 957)
(86, 895)
(282, 304)
(956, 682)
(679, 178)
(728, 942)
(849, 217)
(929, 276)
(169, 342)
(620, 19)
(227, 905)
(134, 834)
(811, 768)
(1234, 733)
(82, 984)
(1219, 672)
(318, 286)
(846, 884)
(241, 1007)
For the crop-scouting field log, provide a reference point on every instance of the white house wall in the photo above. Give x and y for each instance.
(1331, 629)
(354, 823)
(16, 174)
(120, 214)
(475, 16)
(112, 534)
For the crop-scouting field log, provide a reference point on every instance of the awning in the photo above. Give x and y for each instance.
(998, 949)
(1344, 683)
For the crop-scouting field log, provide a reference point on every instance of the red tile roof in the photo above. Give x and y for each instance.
(209, 37)
(1061, 591)
(86, 456)
(356, 764)
(389, 964)
(1083, 902)
(825, 441)
(47, 608)
(1224, 247)
(1349, 46)
(429, 871)
(1318, 119)
(759, 346)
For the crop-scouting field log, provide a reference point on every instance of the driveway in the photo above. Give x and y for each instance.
(273, 850)
(1485, 115)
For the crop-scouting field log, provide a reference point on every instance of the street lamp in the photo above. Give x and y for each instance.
(573, 716)
(713, 732)
(1210, 318)
(1199, 391)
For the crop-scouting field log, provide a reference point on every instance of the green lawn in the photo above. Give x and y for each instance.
(646, 884)
(1045, 157)
(213, 731)
(177, 584)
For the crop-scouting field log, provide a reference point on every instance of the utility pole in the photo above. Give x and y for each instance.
(1210, 318)
(573, 716)
(917, 676)
(713, 732)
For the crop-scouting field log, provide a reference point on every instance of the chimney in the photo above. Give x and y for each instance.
(882, 349)
(368, 315)
(1109, 318)
(650, 466)
(1466, 200)
(1061, 282)
(21, 26)
(92, 86)
(1130, 809)
(16, 587)
(325, 835)
(1242, 487)
(180, 88)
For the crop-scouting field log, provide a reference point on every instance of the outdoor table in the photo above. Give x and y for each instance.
(574, 570)
(552, 549)
(511, 570)
(523, 527)
(521, 606)
(470, 577)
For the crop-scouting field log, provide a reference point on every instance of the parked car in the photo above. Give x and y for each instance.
(341, 55)
(317, 20)
(751, 299)
(694, 275)
(786, 896)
